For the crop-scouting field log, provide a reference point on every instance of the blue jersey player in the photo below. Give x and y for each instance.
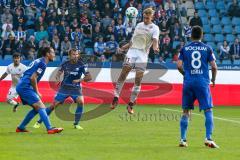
(72, 71)
(193, 63)
(27, 89)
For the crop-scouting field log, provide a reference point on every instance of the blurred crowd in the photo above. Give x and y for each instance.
(96, 28)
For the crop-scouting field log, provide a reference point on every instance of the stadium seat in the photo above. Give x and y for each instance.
(189, 4)
(220, 5)
(219, 44)
(57, 58)
(184, 20)
(190, 12)
(202, 13)
(204, 20)
(214, 20)
(8, 57)
(225, 21)
(227, 29)
(237, 29)
(199, 5)
(64, 58)
(212, 45)
(236, 21)
(206, 29)
(217, 29)
(208, 37)
(213, 13)
(219, 38)
(210, 5)
(175, 43)
(230, 38)
(88, 51)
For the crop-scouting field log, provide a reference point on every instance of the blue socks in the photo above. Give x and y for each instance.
(209, 123)
(43, 115)
(78, 114)
(31, 114)
(49, 111)
(184, 126)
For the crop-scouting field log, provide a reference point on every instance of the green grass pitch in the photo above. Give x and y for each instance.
(152, 134)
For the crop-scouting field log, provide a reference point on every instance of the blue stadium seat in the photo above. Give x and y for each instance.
(210, 5)
(208, 37)
(219, 44)
(30, 32)
(219, 38)
(217, 28)
(204, 20)
(57, 58)
(206, 29)
(8, 57)
(213, 13)
(199, 5)
(212, 45)
(230, 38)
(214, 20)
(225, 21)
(220, 5)
(227, 29)
(88, 51)
(202, 13)
(175, 43)
(236, 21)
(237, 29)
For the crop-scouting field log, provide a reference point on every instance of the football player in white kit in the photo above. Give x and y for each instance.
(15, 69)
(146, 34)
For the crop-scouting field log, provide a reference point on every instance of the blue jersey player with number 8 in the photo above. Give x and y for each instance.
(193, 63)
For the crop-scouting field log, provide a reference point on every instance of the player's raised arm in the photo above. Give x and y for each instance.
(180, 67)
(33, 80)
(214, 71)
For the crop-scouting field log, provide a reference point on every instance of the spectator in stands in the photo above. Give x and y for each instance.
(6, 16)
(56, 44)
(44, 43)
(234, 9)
(148, 4)
(99, 49)
(170, 11)
(20, 45)
(77, 44)
(76, 34)
(41, 34)
(65, 46)
(51, 29)
(86, 29)
(235, 50)
(20, 33)
(165, 51)
(40, 22)
(96, 17)
(224, 51)
(31, 12)
(196, 20)
(163, 17)
(168, 4)
(18, 19)
(9, 46)
(106, 21)
(30, 48)
(6, 32)
(97, 33)
(108, 34)
(177, 51)
(164, 30)
(172, 20)
(176, 32)
(187, 31)
(74, 24)
(110, 48)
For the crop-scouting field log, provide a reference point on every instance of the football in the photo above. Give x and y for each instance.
(131, 12)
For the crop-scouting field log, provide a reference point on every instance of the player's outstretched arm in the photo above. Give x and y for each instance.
(180, 67)
(3, 76)
(125, 47)
(34, 83)
(214, 71)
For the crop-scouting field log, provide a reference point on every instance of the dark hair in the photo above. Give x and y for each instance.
(16, 54)
(196, 33)
(42, 52)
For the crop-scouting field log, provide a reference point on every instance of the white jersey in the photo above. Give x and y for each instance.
(16, 72)
(143, 36)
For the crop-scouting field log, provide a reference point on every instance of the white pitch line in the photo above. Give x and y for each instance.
(215, 117)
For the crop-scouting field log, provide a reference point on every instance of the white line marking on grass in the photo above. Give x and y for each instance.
(215, 117)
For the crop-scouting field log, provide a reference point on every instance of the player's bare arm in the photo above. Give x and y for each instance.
(155, 46)
(86, 78)
(214, 71)
(34, 83)
(58, 76)
(125, 47)
(3, 76)
(180, 67)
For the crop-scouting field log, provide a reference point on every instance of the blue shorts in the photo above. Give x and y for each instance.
(63, 94)
(27, 95)
(194, 91)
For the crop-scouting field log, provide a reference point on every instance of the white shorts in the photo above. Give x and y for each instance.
(136, 59)
(12, 93)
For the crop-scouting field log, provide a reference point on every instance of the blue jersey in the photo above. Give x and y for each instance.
(72, 71)
(196, 57)
(38, 66)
